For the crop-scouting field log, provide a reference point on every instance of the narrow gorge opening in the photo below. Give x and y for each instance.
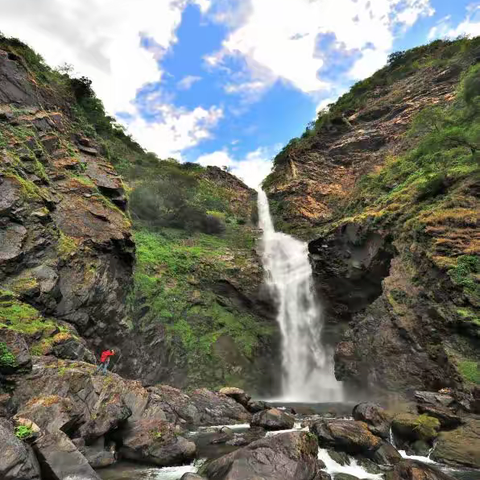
(307, 364)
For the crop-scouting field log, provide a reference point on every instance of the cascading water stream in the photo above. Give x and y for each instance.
(307, 364)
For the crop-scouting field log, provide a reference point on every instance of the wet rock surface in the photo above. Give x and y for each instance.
(346, 435)
(411, 470)
(290, 456)
(374, 416)
(460, 446)
(155, 442)
(273, 419)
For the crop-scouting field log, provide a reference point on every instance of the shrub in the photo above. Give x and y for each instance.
(7, 359)
(23, 432)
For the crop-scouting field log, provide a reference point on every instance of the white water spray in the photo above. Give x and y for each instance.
(307, 365)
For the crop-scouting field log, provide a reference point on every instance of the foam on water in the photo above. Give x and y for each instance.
(353, 468)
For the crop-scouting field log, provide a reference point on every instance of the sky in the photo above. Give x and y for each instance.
(227, 82)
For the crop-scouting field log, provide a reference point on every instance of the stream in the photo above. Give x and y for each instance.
(206, 451)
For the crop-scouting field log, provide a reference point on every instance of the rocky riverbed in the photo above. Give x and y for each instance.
(62, 421)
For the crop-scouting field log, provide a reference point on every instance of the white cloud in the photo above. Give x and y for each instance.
(252, 169)
(469, 27)
(279, 40)
(186, 82)
(178, 130)
(102, 39)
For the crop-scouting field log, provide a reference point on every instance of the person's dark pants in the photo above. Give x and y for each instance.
(103, 366)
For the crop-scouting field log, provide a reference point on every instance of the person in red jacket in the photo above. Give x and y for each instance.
(104, 361)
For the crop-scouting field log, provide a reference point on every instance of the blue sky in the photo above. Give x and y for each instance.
(227, 82)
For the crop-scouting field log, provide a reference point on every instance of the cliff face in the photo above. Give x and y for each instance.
(65, 242)
(386, 187)
(170, 278)
(198, 302)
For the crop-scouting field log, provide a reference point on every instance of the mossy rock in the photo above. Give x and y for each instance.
(415, 427)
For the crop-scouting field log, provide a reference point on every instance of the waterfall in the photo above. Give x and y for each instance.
(307, 364)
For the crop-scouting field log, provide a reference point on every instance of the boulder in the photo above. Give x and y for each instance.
(386, 454)
(155, 442)
(222, 436)
(237, 394)
(254, 406)
(413, 427)
(17, 460)
(59, 458)
(247, 437)
(289, 456)
(447, 418)
(99, 455)
(110, 414)
(177, 406)
(460, 446)
(348, 436)
(345, 476)
(375, 417)
(434, 398)
(218, 409)
(273, 419)
(192, 476)
(52, 413)
(411, 470)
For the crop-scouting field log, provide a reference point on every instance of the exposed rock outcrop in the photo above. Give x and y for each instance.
(290, 456)
(273, 419)
(17, 460)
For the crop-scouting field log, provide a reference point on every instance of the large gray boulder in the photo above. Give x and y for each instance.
(273, 419)
(156, 443)
(237, 394)
(60, 459)
(374, 416)
(218, 409)
(348, 436)
(17, 460)
(286, 456)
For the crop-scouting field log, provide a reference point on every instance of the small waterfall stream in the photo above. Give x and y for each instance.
(307, 364)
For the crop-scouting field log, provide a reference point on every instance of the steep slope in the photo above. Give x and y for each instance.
(65, 242)
(386, 184)
(185, 306)
(198, 301)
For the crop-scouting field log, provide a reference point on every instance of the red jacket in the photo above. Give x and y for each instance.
(105, 355)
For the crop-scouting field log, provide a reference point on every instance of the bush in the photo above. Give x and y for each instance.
(23, 432)
(7, 359)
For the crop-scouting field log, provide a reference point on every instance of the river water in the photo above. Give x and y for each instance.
(307, 363)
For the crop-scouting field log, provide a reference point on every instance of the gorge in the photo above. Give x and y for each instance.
(206, 289)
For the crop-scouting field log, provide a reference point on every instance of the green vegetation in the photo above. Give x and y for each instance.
(174, 273)
(427, 427)
(66, 245)
(23, 432)
(470, 371)
(7, 358)
(24, 319)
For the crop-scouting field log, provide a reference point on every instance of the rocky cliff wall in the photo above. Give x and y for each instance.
(65, 240)
(385, 185)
